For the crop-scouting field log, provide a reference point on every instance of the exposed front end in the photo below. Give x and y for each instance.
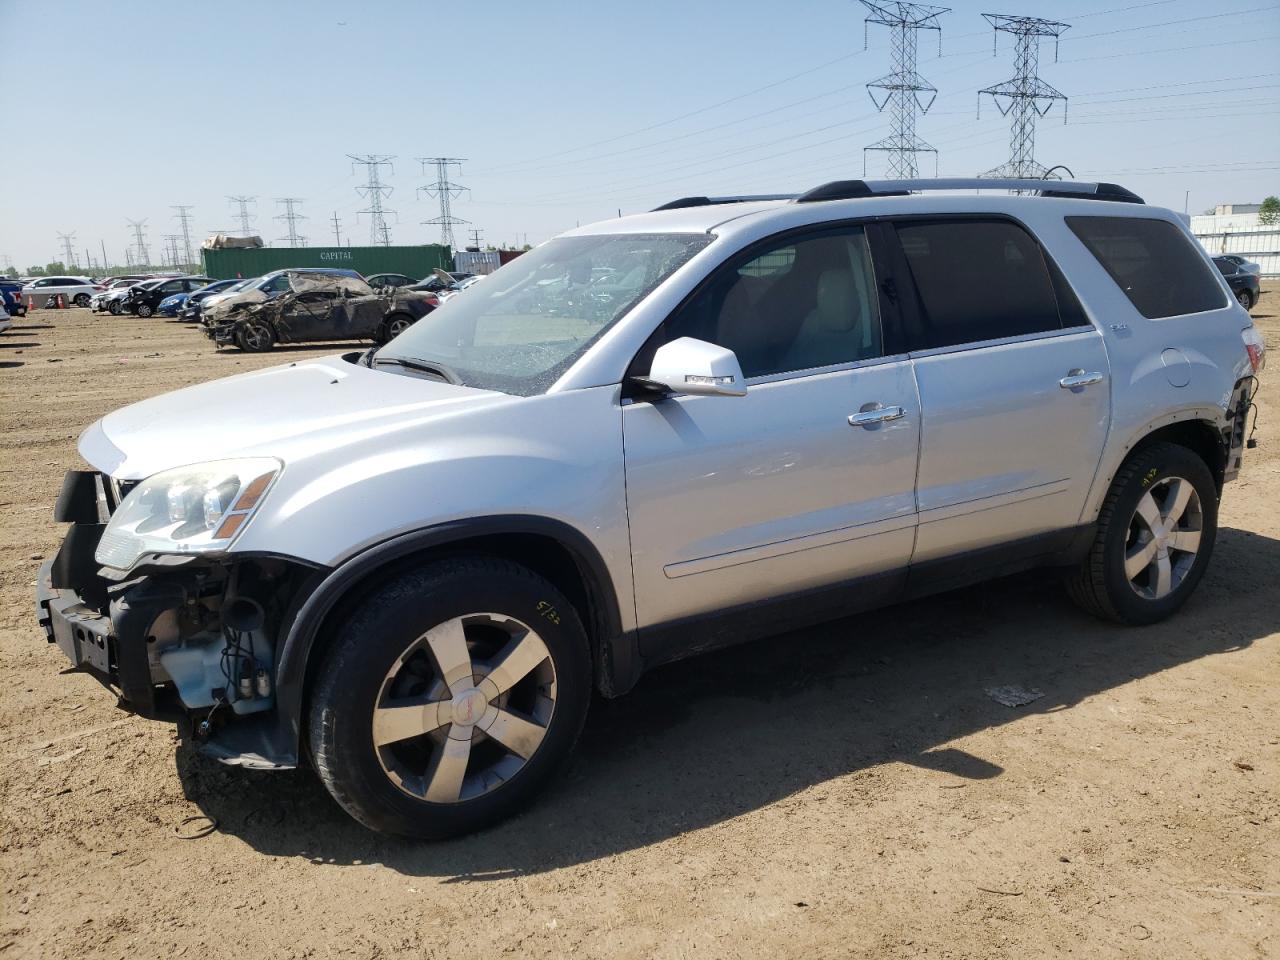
(188, 639)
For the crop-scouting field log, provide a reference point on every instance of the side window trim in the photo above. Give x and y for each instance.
(893, 346)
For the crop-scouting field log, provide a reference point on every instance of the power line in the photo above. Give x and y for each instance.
(183, 216)
(477, 239)
(244, 216)
(171, 255)
(374, 191)
(902, 88)
(1026, 98)
(337, 228)
(291, 218)
(446, 192)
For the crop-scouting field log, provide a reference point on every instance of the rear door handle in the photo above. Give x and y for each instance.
(875, 414)
(1078, 378)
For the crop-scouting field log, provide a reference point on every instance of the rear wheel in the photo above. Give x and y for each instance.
(1246, 298)
(1156, 532)
(145, 310)
(81, 300)
(255, 337)
(449, 698)
(395, 325)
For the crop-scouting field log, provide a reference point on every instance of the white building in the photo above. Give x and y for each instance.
(1234, 228)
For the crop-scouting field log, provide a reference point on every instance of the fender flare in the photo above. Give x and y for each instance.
(303, 622)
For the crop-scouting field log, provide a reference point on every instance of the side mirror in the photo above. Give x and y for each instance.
(696, 368)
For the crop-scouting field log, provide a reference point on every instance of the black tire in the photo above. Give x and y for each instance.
(1246, 298)
(144, 310)
(115, 309)
(394, 325)
(81, 300)
(388, 622)
(255, 337)
(1100, 585)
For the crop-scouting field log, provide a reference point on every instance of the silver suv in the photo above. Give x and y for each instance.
(411, 567)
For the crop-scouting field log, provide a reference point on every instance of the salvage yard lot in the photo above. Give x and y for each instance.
(848, 791)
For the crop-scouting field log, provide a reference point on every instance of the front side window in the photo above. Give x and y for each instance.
(1157, 266)
(807, 302)
(978, 280)
(521, 328)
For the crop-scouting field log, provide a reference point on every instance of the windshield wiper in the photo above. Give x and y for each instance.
(422, 366)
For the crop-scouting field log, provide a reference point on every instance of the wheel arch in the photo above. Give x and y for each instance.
(1200, 429)
(549, 547)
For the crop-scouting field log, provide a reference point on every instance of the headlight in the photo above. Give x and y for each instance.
(195, 509)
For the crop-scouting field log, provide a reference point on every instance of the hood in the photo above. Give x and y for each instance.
(289, 412)
(218, 306)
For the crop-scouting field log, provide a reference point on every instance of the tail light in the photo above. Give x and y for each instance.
(1256, 347)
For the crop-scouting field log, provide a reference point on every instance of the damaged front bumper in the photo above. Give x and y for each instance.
(158, 639)
(222, 333)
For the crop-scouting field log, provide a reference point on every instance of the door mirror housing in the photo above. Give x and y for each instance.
(696, 368)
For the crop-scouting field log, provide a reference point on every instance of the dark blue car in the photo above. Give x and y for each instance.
(11, 290)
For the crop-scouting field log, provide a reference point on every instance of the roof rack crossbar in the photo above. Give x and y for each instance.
(713, 201)
(1080, 190)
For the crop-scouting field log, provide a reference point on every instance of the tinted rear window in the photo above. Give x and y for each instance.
(978, 280)
(1155, 264)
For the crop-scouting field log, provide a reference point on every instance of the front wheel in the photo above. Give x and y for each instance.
(1155, 535)
(449, 698)
(115, 308)
(145, 310)
(81, 300)
(1246, 298)
(255, 337)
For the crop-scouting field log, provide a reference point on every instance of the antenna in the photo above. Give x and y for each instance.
(244, 216)
(447, 192)
(68, 253)
(1026, 98)
(138, 255)
(373, 191)
(291, 218)
(183, 216)
(903, 89)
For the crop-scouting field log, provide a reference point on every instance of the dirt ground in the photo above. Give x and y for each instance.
(850, 791)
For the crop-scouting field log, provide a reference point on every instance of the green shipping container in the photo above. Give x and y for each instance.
(416, 262)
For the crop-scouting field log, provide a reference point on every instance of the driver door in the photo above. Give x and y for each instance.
(779, 494)
(309, 316)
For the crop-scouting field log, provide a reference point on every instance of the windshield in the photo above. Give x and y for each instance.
(526, 323)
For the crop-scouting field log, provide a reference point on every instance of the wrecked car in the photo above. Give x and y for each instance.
(317, 306)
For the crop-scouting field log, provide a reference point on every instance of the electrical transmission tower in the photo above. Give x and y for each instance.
(183, 216)
(244, 216)
(337, 228)
(291, 218)
(171, 253)
(374, 191)
(1026, 98)
(68, 253)
(903, 90)
(446, 192)
(138, 254)
(477, 239)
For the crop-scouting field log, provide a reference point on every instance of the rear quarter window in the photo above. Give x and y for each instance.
(1157, 266)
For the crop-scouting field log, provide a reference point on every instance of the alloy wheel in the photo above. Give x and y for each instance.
(1246, 301)
(1163, 538)
(464, 708)
(397, 327)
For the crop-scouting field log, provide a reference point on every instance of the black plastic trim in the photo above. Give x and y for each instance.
(844, 190)
(684, 202)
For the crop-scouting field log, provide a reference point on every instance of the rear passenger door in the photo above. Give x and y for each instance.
(1014, 388)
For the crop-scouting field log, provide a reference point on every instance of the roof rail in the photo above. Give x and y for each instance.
(1074, 189)
(712, 201)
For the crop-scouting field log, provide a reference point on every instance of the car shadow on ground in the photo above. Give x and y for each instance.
(714, 737)
(19, 343)
(6, 364)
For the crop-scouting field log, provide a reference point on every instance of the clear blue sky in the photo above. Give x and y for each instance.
(568, 111)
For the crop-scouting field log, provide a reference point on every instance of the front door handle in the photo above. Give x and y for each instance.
(1078, 378)
(874, 414)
